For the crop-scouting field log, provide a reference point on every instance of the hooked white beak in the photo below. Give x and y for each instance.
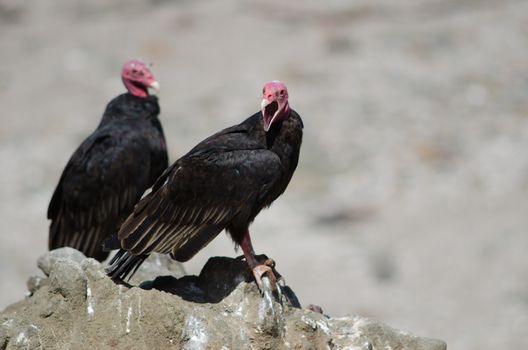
(267, 118)
(155, 86)
(264, 103)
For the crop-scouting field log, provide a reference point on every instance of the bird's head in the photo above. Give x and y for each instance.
(274, 104)
(137, 78)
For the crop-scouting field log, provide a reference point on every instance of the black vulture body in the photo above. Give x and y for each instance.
(222, 183)
(107, 175)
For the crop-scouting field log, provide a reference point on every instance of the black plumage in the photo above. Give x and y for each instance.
(107, 175)
(222, 183)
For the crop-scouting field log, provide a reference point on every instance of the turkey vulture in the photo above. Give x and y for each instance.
(222, 183)
(106, 176)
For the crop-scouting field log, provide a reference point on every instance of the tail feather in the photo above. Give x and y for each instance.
(124, 265)
(86, 240)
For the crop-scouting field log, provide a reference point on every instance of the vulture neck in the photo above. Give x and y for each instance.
(127, 106)
(276, 130)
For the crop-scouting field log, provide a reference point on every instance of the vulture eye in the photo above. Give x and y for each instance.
(282, 92)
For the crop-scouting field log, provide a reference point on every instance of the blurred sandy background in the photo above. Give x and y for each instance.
(410, 203)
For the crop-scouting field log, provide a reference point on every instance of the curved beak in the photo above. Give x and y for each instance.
(264, 103)
(269, 112)
(155, 86)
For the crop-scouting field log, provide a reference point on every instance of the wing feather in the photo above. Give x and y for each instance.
(86, 229)
(102, 182)
(196, 199)
(169, 241)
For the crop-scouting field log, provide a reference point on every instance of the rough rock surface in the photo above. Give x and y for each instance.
(77, 304)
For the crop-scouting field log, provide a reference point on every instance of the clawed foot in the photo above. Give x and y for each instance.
(258, 273)
(266, 278)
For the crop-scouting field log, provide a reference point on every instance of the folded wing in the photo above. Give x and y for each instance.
(97, 190)
(197, 198)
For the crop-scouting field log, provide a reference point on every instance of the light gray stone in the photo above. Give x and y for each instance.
(221, 308)
(46, 261)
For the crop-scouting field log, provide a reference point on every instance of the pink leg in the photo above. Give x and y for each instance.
(258, 269)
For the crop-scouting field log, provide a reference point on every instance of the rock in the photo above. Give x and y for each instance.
(68, 278)
(46, 261)
(221, 308)
(34, 283)
(373, 335)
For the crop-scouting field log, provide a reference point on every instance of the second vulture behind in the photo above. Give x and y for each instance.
(110, 170)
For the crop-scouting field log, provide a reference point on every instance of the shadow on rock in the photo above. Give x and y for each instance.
(218, 279)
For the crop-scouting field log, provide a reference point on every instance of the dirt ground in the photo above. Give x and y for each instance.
(411, 198)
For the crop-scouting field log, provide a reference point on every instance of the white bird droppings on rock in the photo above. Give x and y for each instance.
(195, 332)
(90, 302)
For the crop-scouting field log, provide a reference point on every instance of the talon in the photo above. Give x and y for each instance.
(260, 265)
(259, 271)
(270, 263)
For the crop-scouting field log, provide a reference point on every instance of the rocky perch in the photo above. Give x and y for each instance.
(78, 307)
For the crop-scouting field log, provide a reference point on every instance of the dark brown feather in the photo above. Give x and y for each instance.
(222, 183)
(107, 175)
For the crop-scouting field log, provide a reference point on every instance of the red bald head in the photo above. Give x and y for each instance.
(137, 78)
(274, 104)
